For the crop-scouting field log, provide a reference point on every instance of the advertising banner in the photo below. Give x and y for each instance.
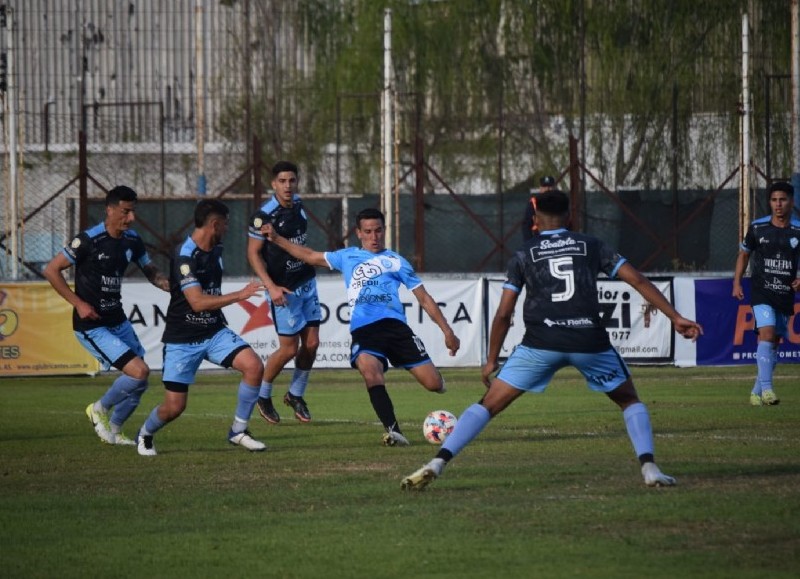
(36, 335)
(639, 332)
(728, 337)
(460, 302)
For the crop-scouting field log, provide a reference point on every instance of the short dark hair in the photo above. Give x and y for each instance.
(552, 202)
(780, 186)
(120, 193)
(205, 208)
(369, 213)
(284, 166)
(547, 181)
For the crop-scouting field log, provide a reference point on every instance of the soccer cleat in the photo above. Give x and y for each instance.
(299, 406)
(246, 440)
(144, 445)
(122, 440)
(653, 477)
(394, 438)
(267, 410)
(100, 422)
(769, 398)
(755, 399)
(422, 477)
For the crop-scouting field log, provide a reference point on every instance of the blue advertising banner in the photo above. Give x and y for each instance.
(728, 337)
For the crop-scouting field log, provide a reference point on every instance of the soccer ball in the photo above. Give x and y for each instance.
(438, 425)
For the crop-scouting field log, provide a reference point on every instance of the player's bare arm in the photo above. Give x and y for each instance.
(686, 328)
(431, 308)
(53, 273)
(497, 335)
(200, 302)
(276, 292)
(741, 266)
(155, 277)
(301, 252)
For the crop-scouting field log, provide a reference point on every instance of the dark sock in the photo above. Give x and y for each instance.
(444, 454)
(383, 407)
(647, 457)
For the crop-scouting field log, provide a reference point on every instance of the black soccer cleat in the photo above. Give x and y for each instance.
(267, 410)
(299, 406)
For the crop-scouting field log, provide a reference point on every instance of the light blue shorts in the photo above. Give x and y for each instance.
(531, 370)
(301, 310)
(110, 344)
(765, 315)
(181, 361)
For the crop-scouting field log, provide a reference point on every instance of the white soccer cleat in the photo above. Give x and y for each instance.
(122, 440)
(394, 438)
(246, 440)
(653, 477)
(422, 477)
(144, 445)
(100, 422)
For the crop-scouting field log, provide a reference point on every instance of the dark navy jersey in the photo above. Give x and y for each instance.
(191, 266)
(100, 262)
(559, 270)
(774, 255)
(291, 223)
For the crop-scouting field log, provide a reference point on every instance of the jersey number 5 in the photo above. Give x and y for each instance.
(561, 268)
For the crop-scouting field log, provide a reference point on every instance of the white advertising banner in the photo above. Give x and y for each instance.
(459, 300)
(639, 332)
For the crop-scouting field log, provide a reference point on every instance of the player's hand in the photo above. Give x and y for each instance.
(269, 231)
(688, 329)
(796, 285)
(252, 288)
(86, 311)
(452, 342)
(277, 293)
(488, 369)
(737, 292)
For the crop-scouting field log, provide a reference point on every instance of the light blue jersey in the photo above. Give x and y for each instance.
(373, 281)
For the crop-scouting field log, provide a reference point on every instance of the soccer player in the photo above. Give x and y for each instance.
(101, 255)
(773, 245)
(558, 270)
(378, 327)
(195, 330)
(291, 293)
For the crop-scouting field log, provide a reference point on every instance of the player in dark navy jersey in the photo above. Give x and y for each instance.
(101, 256)
(771, 247)
(373, 275)
(196, 330)
(291, 292)
(558, 270)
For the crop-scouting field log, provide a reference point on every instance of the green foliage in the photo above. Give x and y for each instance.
(550, 488)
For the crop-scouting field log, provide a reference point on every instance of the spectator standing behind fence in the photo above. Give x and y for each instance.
(378, 327)
(195, 330)
(291, 292)
(546, 183)
(101, 255)
(559, 269)
(772, 248)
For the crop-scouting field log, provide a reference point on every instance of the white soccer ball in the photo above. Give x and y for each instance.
(438, 425)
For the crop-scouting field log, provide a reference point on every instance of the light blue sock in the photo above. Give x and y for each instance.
(637, 421)
(124, 409)
(266, 390)
(248, 395)
(119, 390)
(153, 424)
(469, 425)
(299, 382)
(765, 365)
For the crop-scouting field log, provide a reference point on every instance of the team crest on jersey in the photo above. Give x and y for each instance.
(793, 242)
(76, 243)
(185, 269)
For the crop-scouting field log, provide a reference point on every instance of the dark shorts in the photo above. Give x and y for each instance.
(390, 340)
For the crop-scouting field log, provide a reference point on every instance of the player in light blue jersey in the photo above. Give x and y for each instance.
(380, 334)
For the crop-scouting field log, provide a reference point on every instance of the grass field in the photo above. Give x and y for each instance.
(550, 489)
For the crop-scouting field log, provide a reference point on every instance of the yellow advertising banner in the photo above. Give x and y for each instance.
(36, 333)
